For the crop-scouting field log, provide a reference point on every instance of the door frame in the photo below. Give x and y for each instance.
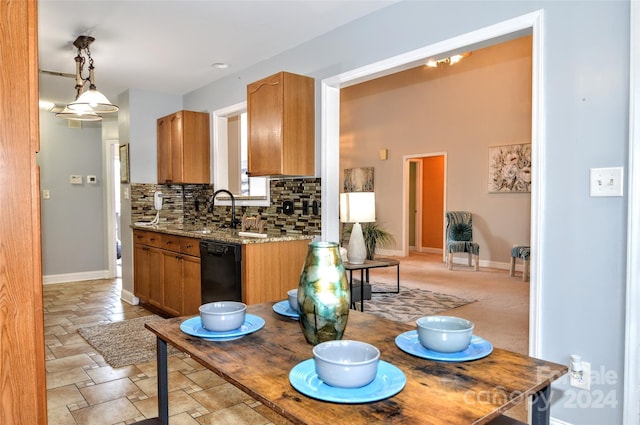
(417, 226)
(109, 176)
(631, 407)
(407, 159)
(330, 133)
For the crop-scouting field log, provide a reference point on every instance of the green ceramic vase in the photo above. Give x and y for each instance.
(323, 294)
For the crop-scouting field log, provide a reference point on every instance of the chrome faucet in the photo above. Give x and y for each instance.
(234, 222)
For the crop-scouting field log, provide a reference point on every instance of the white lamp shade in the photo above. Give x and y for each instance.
(358, 207)
(78, 115)
(92, 100)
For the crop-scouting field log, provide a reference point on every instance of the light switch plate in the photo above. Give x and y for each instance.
(606, 181)
(75, 179)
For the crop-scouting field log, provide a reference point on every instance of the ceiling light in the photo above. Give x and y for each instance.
(91, 101)
(72, 115)
(220, 65)
(451, 60)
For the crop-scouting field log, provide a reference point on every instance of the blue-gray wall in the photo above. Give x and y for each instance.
(586, 89)
(73, 219)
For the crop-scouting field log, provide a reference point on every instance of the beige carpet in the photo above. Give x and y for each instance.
(129, 342)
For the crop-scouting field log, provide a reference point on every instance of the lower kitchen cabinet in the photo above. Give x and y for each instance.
(167, 272)
(147, 274)
(269, 270)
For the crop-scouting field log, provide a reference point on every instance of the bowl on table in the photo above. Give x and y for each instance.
(222, 316)
(346, 363)
(444, 334)
(292, 295)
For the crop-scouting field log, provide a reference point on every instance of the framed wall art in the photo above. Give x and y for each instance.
(358, 179)
(510, 168)
(124, 163)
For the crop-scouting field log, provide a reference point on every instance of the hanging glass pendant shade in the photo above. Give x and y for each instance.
(72, 115)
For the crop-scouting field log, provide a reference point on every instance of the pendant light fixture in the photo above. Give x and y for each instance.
(72, 115)
(91, 101)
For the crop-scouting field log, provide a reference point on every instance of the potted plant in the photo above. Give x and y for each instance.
(374, 236)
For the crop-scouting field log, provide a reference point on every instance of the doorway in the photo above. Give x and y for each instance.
(114, 235)
(531, 23)
(424, 184)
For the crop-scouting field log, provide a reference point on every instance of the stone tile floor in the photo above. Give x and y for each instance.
(82, 389)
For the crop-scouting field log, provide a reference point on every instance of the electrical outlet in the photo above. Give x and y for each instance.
(606, 181)
(581, 379)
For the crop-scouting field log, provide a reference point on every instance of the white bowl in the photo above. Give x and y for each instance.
(444, 334)
(221, 316)
(292, 295)
(345, 363)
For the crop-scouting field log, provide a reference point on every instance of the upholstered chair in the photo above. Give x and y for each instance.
(460, 237)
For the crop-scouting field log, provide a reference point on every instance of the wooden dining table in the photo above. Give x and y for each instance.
(436, 392)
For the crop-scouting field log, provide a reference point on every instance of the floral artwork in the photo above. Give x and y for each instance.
(510, 168)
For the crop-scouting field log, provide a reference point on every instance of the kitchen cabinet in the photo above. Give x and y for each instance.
(269, 270)
(167, 272)
(281, 126)
(184, 148)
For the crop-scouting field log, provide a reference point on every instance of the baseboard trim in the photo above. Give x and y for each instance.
(75, 277)
(462, 260)
(128, 297)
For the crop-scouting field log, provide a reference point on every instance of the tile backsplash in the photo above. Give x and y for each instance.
(188, 205)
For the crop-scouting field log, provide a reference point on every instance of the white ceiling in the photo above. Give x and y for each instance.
(169, 46)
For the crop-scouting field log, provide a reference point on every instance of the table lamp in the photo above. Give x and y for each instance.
(357, 207)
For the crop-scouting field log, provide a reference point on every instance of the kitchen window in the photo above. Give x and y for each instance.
(230, 156)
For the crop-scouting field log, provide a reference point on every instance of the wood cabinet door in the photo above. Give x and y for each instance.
(196, 147)
(264, 122)
(156, 291)
(141, 279)
(172, 282)
(148, 274)
(191, 285)
(177, 141)
(271, 269)
(164, 150)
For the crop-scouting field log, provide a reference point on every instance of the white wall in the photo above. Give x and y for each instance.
(586, 88)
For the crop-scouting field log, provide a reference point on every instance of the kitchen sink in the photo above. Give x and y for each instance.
(202, 231)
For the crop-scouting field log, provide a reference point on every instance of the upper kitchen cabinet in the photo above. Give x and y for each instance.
(281, 126)
(184, 148)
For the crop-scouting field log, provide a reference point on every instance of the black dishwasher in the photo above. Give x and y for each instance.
(220, 271)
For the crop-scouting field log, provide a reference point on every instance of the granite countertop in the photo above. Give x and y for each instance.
(214, 233)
